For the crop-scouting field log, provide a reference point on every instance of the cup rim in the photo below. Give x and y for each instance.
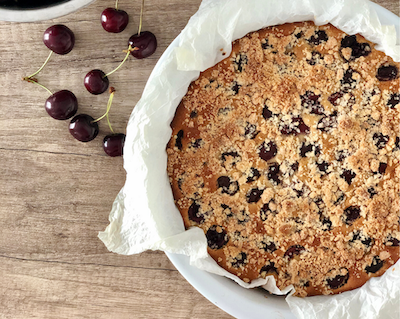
(46, 13)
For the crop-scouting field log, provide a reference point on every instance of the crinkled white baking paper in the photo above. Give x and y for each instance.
(144, 215)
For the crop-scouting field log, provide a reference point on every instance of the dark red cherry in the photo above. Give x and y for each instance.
(319, 37)
(114, 20)
(376, 264)
(62, 105)
(145, 44)
(296, 127)
(254, 195)
(83, 128)
(240, 260)
(96, 82)
(113, 144)
(266, 210)
(339, 280)
(268, 246)
(387, 73)
(254, 174)
(269, 268)
(351, 213)
(227, 185)
(266, 151)
(348, 175)
(293, 251)
(216, 237)
(195, 214)
(274, 174)
(59, 39)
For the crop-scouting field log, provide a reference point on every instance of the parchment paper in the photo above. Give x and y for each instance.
(144, 215)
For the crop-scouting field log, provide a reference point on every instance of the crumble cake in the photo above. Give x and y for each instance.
(286, 154)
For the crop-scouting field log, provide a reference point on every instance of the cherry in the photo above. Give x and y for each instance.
(59, 39)
(96, 82)
(114, 20)
(228, 186)
(254, 195)
(83, 127)
(387, 73)
(178, 141)
(216, 237)
(145, 44)
(339, 280)
(293, 251)
(62, 105)
(113, 144)
(267, 150)
(195, 214)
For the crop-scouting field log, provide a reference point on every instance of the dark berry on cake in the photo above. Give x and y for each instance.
(348, 175)
(216, 237)
(227, 185)
(269, 268)
(350, 214)
(268, 209)
(254, 195)
(267, 150)
(311, 101)
(376, 264)
(339, 280)
(195, 214)
(274, 173)
(254, 174)
(387, 73)
(240, 260)
(178, 141)
(295, 127)
(380, 140)
(393, 100)
(319, 37)
(293, 251)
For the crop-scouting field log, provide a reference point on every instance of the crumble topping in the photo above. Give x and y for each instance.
(287, 155)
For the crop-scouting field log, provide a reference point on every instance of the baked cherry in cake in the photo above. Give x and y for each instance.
(286, 154)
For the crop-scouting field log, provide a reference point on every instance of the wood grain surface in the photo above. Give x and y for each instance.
(56, 193)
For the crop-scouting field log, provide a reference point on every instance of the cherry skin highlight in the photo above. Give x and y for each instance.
(83, 128)
(113, 144)
(114, 20)
(144, 44)
(62, 105)
(96, 82)
(59, 39)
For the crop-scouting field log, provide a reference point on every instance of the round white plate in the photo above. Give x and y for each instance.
(34, 15)
(226, 294)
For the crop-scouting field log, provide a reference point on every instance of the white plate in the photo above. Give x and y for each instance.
(33, 15)
(226, 294)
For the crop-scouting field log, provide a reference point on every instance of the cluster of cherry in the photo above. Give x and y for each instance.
(63, 105)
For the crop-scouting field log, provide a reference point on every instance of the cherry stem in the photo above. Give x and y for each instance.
(29, 79)
(41, 68)
(116, 4)
(110, 99)
(141, 17)
(130, 49)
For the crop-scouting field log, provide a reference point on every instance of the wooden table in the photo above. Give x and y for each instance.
(56, 193)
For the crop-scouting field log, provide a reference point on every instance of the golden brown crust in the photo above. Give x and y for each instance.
(287, 155)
